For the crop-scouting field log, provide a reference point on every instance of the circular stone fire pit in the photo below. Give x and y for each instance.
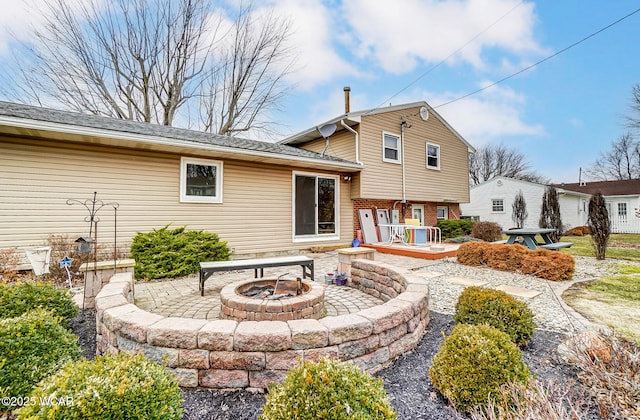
(267, 305)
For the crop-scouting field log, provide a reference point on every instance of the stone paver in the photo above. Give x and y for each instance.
(181, 298)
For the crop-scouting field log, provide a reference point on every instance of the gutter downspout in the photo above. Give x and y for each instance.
(355, 133)
(404, 187)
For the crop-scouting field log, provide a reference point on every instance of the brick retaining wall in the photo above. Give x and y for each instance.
(232, 354)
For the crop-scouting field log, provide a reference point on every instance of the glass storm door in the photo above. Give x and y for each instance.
(315, 205)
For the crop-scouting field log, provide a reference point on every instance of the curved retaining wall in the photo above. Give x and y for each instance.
(232, 354)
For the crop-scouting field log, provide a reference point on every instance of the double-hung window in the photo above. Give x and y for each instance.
(391, 148)
(200, 181)
(316, 204)
(497, 205)
(622, 212)
(433, 156)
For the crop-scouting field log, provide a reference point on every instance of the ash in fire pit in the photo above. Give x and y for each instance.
(282, 289)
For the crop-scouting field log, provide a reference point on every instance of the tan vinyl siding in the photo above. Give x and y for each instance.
(37, 178)
(384, 180)
(341, 145)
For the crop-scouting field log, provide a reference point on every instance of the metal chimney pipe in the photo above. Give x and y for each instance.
(347, 105)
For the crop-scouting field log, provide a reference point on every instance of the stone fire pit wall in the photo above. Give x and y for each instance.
(251, 354)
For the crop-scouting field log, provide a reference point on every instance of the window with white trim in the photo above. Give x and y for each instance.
(200, 180)
(433, 156)
(390, 148)
(622, 211)
(497, 205)
(442, 212)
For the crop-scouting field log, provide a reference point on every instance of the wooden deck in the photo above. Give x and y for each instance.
(416, 251)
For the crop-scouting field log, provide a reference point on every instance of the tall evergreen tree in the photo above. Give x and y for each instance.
(550, 213)
(599, 225)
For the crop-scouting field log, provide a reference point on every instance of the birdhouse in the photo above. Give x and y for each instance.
(84, 244)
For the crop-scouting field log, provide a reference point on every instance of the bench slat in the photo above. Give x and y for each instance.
(557, 245)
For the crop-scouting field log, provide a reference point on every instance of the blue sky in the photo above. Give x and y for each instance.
(561, 114)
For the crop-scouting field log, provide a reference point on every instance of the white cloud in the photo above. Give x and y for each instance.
(313, 37)
(482, 118)
(401, 34)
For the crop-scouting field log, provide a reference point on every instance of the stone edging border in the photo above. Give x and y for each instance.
(251, 354)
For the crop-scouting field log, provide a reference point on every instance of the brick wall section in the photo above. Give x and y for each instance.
(430, 210)
(252, 354)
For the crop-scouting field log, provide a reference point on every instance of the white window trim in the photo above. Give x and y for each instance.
(437, 146)
(184, 198)
(385, 159)
(503, 205)
(446, 212)
(321, 237)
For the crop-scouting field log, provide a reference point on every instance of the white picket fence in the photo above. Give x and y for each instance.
(625, 225)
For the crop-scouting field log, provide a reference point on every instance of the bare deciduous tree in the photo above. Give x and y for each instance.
(550, 213)
(520, 213)
(491, 161)
(633, 120)
(622, 161)
(158, 61)
(599, 225)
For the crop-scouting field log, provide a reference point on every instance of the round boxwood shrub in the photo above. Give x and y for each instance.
(32, 346)
(19, 298)
(124, 386)
(472, 364)
(479, 305)
(171, 253)
(328, 389)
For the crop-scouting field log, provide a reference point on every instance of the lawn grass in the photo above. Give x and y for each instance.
(625, 287)
(582, 246)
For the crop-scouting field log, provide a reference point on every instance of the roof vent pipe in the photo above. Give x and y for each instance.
(347, 104)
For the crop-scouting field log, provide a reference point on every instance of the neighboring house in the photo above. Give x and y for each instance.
(262, 198)
(492, 201)
(413, 163)
(622, 199)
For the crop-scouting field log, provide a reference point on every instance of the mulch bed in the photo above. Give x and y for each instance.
(406, 380)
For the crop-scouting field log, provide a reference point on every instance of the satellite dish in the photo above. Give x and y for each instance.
(424, 113)
(327, 130)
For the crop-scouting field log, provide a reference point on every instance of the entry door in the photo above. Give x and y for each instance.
(315, 206)
(417, 212)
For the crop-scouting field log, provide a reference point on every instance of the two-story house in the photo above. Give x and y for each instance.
(414, 164)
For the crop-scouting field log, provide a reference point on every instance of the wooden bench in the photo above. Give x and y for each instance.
(208, 268)
(556, 245)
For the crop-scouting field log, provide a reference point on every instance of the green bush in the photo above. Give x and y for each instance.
(328, 389)
(32, 346)
(166, 253)
(473, 363)
(454, 228)
(19, 298)
(479, 305)
(124, 386)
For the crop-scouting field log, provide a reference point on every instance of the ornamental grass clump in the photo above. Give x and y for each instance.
(328, 389)
(124, 386)
(479, 305)
(32, 346)
(19, 298)
(166, 253)
(473, 363)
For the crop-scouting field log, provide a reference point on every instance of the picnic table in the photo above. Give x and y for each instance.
(527, 237)
(208, 268)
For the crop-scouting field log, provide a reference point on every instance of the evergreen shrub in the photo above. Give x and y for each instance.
(451, 228)
(479, 305)
(328, 389)
(473, 363)
(32, 346)
(19, 298)
(122, 386)
(171, 253)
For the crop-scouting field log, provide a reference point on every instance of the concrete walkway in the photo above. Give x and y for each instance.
(181, 298)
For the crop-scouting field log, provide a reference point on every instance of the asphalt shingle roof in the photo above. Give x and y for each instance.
(606, 188)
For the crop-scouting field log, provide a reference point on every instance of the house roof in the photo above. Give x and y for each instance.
(606, 188)
(354, 118)
(36, 122)
(560, 188)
